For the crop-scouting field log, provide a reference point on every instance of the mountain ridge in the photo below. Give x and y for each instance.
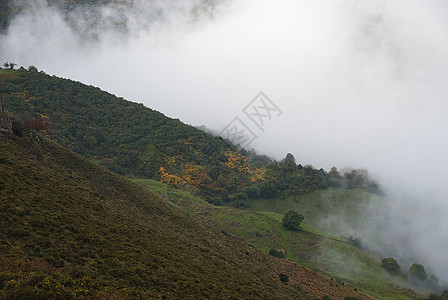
(133, 140)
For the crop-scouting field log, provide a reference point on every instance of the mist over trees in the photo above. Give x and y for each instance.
(133, 140)
(390, 265)
(418, 271)
(382, 68)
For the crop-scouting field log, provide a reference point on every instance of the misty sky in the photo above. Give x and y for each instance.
(361, 84)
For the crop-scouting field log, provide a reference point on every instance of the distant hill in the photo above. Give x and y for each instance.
(134, 140)
(69, 227)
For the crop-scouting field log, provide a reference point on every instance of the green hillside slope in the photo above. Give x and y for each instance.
(131, 139)
(71, 228)
(337, 211)
(329, 254)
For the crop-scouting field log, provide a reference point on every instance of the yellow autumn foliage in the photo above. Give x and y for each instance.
(171, 180)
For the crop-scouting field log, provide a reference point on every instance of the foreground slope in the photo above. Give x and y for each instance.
(72, 228)
(331, 255)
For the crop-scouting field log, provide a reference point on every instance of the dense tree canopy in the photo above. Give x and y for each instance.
(418, 271)
(131, 139)
(390, 265)
(292, 219)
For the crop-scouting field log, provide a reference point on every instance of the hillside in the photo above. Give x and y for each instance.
(338, 211)
(67, 110)
(331, 255)
(134, 140)
(72, 228)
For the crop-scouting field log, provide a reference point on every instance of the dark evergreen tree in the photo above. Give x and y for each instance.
(292, 219)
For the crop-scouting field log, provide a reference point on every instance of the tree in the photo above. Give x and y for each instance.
(335, 177)
(283, 277)
(252, 191)
(267, 190)
(12, 65)
(433, 281)
(276, 253)
(225, 195)
(390, 265)
(221, 181)
(418, 271)
(292, 219)
(6, 65)
(240, 200)
(289, 162)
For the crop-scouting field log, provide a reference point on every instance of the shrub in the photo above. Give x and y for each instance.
(240, 201)
(267, 190)
(418, 271)
(292, 219)
(340, 281)
(241, 197)
(214, 201)
(284, 277)
(433, 281)
(221, 181)
(355, 242)
(390, 265)
(225, 195)
(252, 191)
(17, 126)
(276, 253)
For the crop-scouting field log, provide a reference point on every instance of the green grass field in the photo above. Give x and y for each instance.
(327, 253)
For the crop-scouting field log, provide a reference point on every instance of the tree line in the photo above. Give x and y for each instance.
(134, 140)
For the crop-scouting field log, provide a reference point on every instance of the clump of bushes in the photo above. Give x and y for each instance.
(390, 265)
(418, 271)
(240, 201)
(276, 253)
(214, 201)
(292, 219)
(355, 242)
(284, 277)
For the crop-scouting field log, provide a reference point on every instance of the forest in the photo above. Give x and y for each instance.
(136, 141)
